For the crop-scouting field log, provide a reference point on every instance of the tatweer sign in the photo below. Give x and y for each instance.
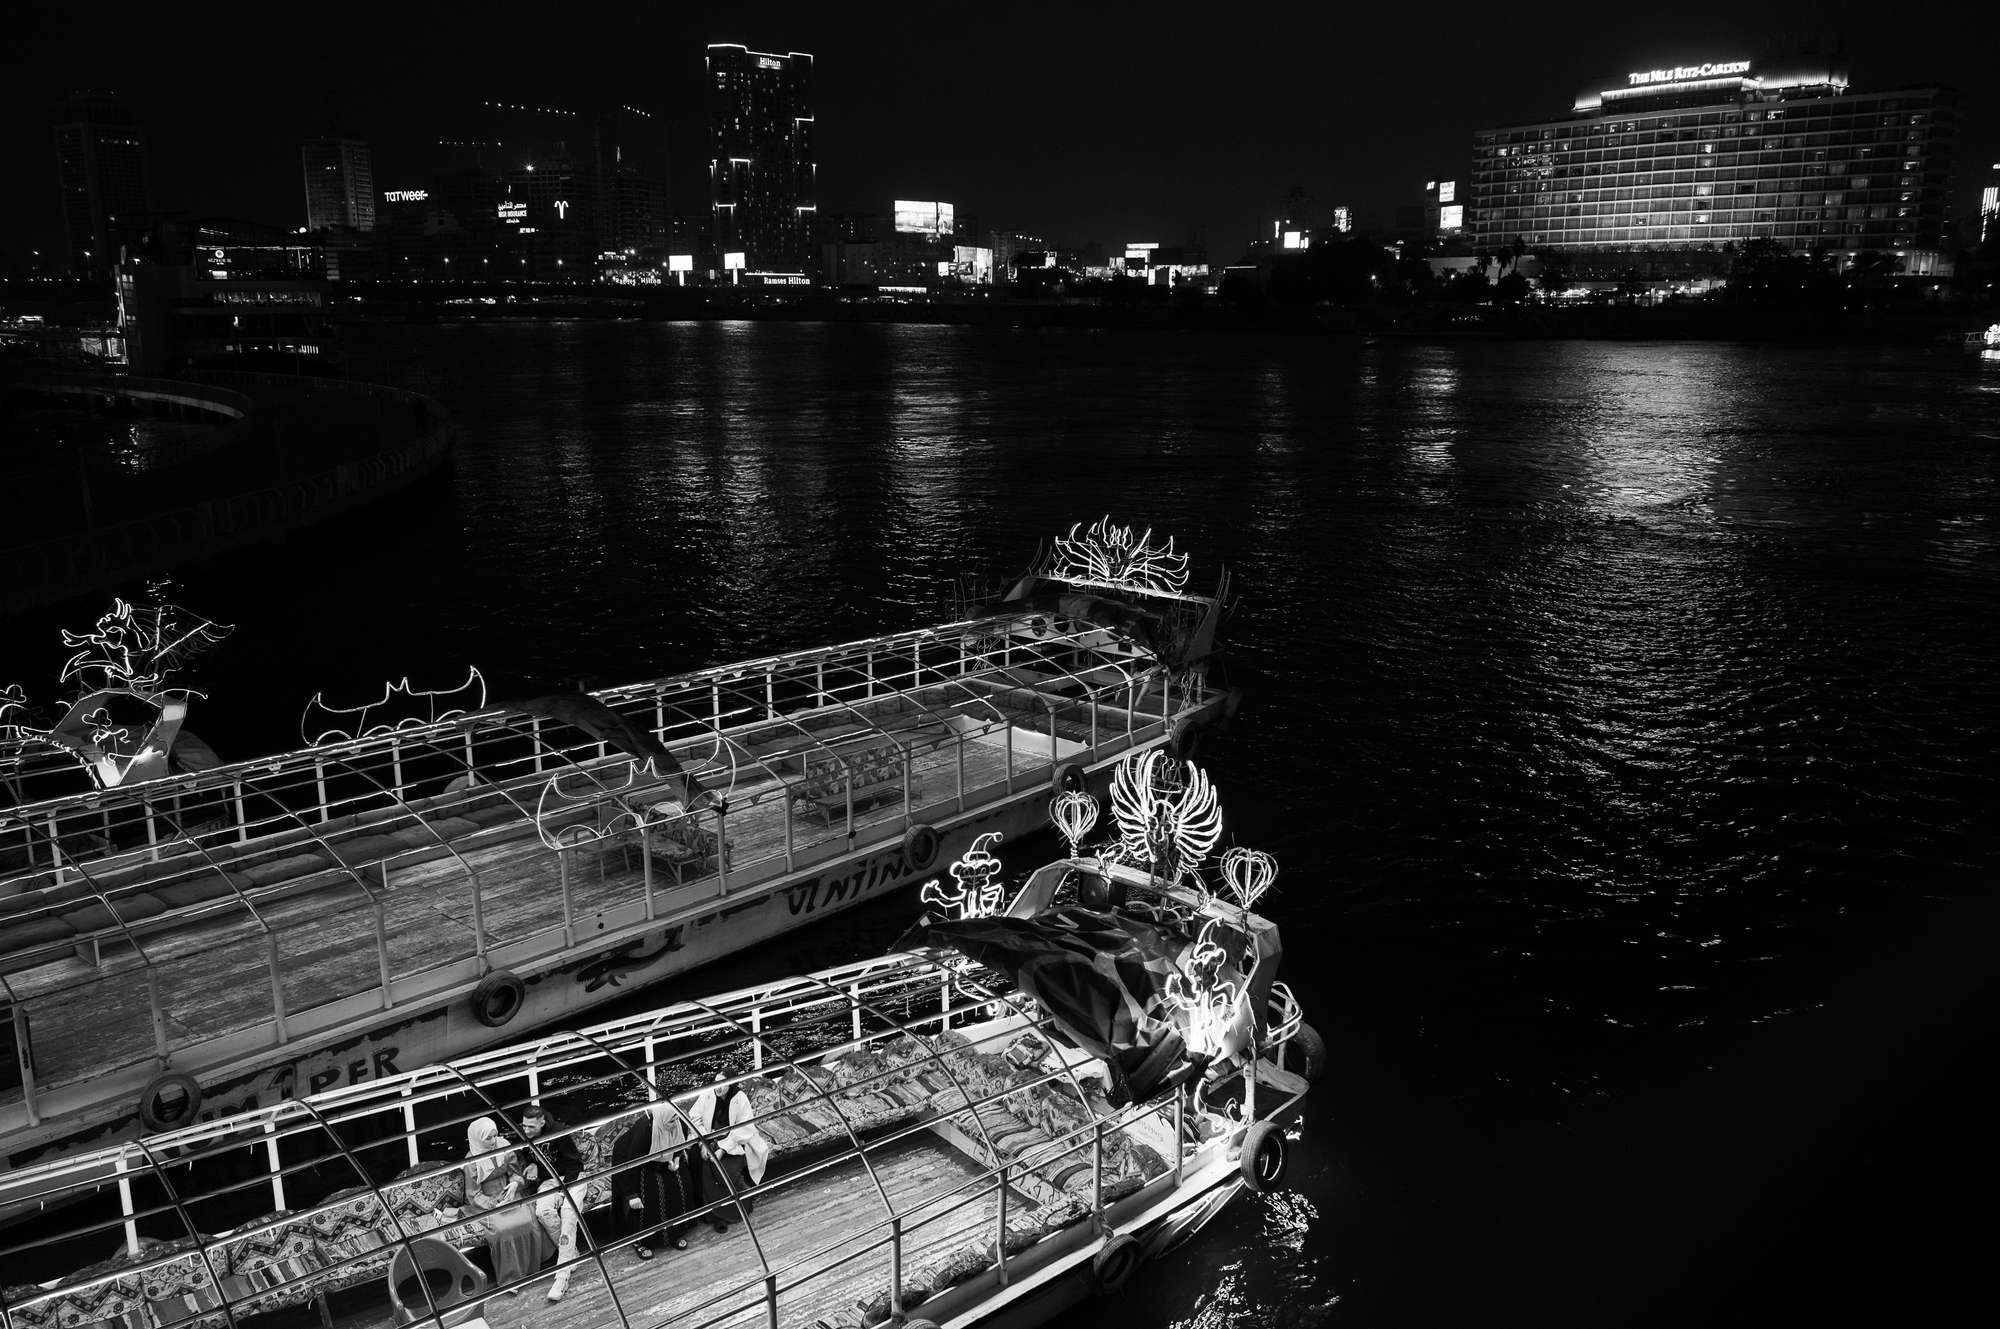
(1680, 73)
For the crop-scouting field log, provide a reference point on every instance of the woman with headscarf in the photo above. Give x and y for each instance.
(514, 1239)
(661, 1185)
(735, 1161)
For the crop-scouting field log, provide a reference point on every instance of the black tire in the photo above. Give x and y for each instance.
(1264, 1157)
(498, 998)
(1184, 743)
(150, 1114)
(1069, 775)
(921, 844)
(1113, 1267)
(1312, 1053)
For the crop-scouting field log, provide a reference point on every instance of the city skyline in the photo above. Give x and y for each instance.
(1114, 124)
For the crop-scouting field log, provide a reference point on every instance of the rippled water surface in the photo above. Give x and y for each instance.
(1622, 717)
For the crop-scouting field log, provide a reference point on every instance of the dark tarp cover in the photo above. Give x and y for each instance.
(1099, 975)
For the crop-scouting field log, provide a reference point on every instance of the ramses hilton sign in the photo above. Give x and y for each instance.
(1680, 72)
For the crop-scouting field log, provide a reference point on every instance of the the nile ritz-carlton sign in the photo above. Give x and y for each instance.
(1668, 170)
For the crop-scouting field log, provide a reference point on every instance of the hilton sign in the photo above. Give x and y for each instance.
(1680, 72)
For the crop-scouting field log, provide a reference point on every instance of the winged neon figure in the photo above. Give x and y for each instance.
(1115, 556)
(1167, 819)
(400, 707)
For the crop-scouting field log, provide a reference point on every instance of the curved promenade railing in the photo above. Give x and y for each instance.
(48, 571)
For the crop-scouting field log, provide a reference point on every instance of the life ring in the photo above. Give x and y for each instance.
(921, 844)
(155, 1120)
(1069, 776)
(498, 998)
(1113, 1267)
(1264, 1157)
(1312, 1052)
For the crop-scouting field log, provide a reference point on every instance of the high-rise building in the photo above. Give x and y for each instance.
(101, 164)
(1665, 168)
(761, 178)
(340, 184)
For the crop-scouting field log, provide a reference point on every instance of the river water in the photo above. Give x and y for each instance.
(1621, 716)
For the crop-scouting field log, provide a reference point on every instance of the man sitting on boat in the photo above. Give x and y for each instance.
(556, 1165)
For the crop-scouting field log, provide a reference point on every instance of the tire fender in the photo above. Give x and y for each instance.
(498, 998)
(1069, 775)
(921, 844)
(1114, 1265)
(150, 1115)
(1264, 1157)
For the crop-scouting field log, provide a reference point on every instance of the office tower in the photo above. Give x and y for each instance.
(1661, 171)
(101, 165)
(340, 184)
(762, 182)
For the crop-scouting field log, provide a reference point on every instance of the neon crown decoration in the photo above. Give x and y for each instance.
(1117, 557)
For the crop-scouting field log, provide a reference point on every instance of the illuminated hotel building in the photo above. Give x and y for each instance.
(761, 177)
(340, 184)
(1663, 170)
(101, 164)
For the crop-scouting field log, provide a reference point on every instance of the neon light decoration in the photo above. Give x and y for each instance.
(1164, 820)
(122, 723)
(401, 707)
(555, 805)
(1074, 812)
(1247, 874)
(978, 887)
(134, 648)
(1212, 1004)
(1113, 556)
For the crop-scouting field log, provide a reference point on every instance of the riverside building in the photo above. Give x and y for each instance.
(761, 177)
(1669, 171)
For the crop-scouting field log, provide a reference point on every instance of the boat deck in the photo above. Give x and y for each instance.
(215, 976)
(805, 1231)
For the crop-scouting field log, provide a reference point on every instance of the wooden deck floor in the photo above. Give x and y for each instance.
(813, 1224)
(215, 977)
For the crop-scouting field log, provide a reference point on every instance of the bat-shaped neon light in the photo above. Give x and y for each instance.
(554, 807)
(1117, 557)
(400, 707)
(977, 889)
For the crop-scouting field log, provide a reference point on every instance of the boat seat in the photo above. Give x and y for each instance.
(461, 1280)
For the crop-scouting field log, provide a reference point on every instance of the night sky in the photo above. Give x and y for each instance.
(1076, 122)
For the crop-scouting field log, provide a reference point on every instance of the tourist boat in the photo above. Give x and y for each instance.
(429, 871)
(950, 1135)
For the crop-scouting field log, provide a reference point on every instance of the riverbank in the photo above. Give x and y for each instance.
(1673, 321)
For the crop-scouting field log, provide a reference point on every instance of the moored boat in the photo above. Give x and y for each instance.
(429, 870)
(950, 1135)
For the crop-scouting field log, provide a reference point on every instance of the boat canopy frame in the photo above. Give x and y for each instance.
(876, 1011)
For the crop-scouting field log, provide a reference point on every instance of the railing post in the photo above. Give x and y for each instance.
(125, 1205)
(896, 1266)
(646, 863)
(562, 866)
(242, 817)
(277, 985)
(156, 1011)
(396, 765)
(152, 833)
(771, 1298)
(276, 1164)
(757, 1038)
(1000, 1237)
(1097, 1176)
(382, 947)
(1180, 1132)
(958, 753)
(410, 1122)
(722, 850)
(319, 780)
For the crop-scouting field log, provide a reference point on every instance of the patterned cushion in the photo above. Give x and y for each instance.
(274, 1257)
(355, 1225)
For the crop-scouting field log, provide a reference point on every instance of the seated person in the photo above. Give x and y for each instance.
(514, 1239)
(651, 1197)
(553, 1170)
(736, 1161)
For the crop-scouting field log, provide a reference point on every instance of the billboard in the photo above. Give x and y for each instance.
(1447, 191)
(515, 213)
(1452, 218)
(680, 263)
(932, 219)
(732, 262)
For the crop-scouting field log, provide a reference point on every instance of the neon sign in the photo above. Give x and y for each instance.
(555, 805)
(513, 212)
(1114, 556)
(1165, 821)
(1211, 1002)
(405, 195)
(1679, 72)
(1248, 873)
(978, 889)
(400, 707)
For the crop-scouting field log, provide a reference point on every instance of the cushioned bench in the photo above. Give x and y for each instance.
(873, 772)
